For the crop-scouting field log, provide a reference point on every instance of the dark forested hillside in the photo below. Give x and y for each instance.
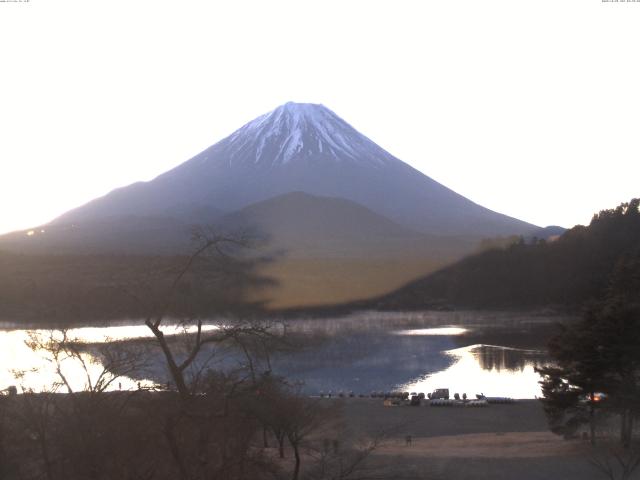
(580, 265)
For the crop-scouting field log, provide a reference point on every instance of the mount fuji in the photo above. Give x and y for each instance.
(346, 219)
(300, 147)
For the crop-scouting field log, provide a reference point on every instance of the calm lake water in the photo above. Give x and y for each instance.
(468, 352)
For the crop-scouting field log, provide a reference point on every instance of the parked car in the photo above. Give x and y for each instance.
(440, 393)
(597, 398)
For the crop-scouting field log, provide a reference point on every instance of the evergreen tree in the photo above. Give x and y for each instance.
(570, 387)
(600, 354)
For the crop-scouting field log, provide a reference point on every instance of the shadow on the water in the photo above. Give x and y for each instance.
(490, 357)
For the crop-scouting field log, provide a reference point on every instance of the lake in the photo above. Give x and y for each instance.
(494, 353)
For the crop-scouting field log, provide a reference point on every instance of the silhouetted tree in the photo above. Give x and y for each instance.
(598, 354)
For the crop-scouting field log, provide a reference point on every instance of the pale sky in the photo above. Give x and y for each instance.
(530, 108)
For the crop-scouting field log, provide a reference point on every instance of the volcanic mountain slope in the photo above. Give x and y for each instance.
(344, 218)
(126, 234)
(292, 224)
(306, 148)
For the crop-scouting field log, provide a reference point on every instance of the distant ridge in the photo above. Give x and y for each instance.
(313, 226)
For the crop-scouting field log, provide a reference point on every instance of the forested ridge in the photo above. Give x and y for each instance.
(579, 266)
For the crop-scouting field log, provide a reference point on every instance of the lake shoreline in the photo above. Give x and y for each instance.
(467, 351)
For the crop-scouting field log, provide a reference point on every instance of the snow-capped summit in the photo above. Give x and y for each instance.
(303, 130)
(302, 147)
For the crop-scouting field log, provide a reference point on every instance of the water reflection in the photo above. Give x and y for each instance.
(490, 353)
(488, 369)
(492, 357)
(36, 370)
(474, 352)
(434, 331)
(364, 361)
(124, 332)
(422, 356)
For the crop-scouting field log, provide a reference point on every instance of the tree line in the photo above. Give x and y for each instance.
(577, 267)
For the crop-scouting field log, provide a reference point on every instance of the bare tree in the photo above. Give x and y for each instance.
(209, 244)
(616, 463)
(76, 432)
(303, 417)
(196, 429)
(348, 463)
(101, 364)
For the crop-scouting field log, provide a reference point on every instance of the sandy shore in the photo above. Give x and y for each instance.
(485, 445)
(497, 442)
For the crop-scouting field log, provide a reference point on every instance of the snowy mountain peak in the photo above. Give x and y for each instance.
(302, 131)
(299, 116)
(302, 108)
